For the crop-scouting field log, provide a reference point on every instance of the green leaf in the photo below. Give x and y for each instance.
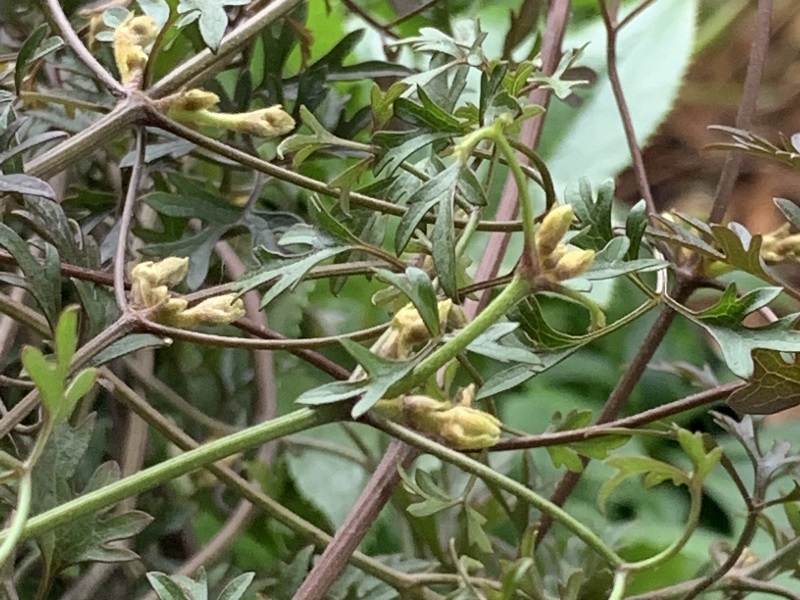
(213, 20)
(723, 321)
(592, 214)
(34, 48)
(30, 143)
(197, 204)
(440, 188)
(428, 115)
(397, 146)
(382, 102)
(475, 532)
(537, 331)
(773, 387)
(165, 587)
(489, 344)
(127, 345)
(66, 338)
(654, 472)
(790, 210)
(430, 506)
(382, 374)
(635, 226)
(49, 381)
(417, 286)
(521, 372)
(26, 184)
(286, 273)
(80, 385)
(237, 587)
(443, 241)
(612, 261)
(742, 250)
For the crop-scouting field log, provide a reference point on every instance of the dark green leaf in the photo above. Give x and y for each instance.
(443, 241)
(723, 321)
(26, 184)
(594, 214)
(428, 115)
(475, 533)
(773, 387)
(440, 188)
(635, 226)
(286, 273)
(612, 261)
(127, 345)
(396, 146)
(203, 206)
(33, 142)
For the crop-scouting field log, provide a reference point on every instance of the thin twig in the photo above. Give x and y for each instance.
(637, 420)
(74, 42)
(747, 109)
(125, 223)
(612, 29)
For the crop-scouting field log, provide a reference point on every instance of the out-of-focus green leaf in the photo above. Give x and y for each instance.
(26, 184)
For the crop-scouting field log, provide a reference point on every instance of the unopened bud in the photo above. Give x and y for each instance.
(195, 99)
(151, 280)
(573, 264)
(130, 40)
(466, 428)
(267, 122)
(218, 310)
(553, 228)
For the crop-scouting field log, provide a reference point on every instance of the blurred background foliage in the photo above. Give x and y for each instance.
(682, 65)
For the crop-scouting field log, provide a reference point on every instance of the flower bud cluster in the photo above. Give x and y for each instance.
(131, 38)
(556, 261)
(408, 330)
(150, 288)
(193, 107)
(456, 424)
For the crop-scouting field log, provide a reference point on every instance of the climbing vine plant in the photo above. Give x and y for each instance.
(311, 301)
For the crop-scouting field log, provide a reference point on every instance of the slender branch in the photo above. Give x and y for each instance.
(747, 108)
(206, 63)
(125, 222)
(75, 43)
(637, 420)
(609, 19)
(373, 498)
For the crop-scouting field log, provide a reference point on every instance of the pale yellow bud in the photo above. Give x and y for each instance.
(573, 264)
(465, 428)
(267, 122)
(195, 99)
(554, 226)
(130, 40)
(218, 310)
(151, 280)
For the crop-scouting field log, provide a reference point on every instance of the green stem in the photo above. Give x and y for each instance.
(696, 492)
(13, 534)
(470, 465)
(192, 460)
(596, 314)
(620, 582)
(515, 291)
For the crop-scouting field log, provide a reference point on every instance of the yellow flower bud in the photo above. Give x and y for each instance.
(573, 264)
(218, 310)
(466, 428)
(130, 40)
(267, 122)
(195, 99)
(554, 226)
(151, 280)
